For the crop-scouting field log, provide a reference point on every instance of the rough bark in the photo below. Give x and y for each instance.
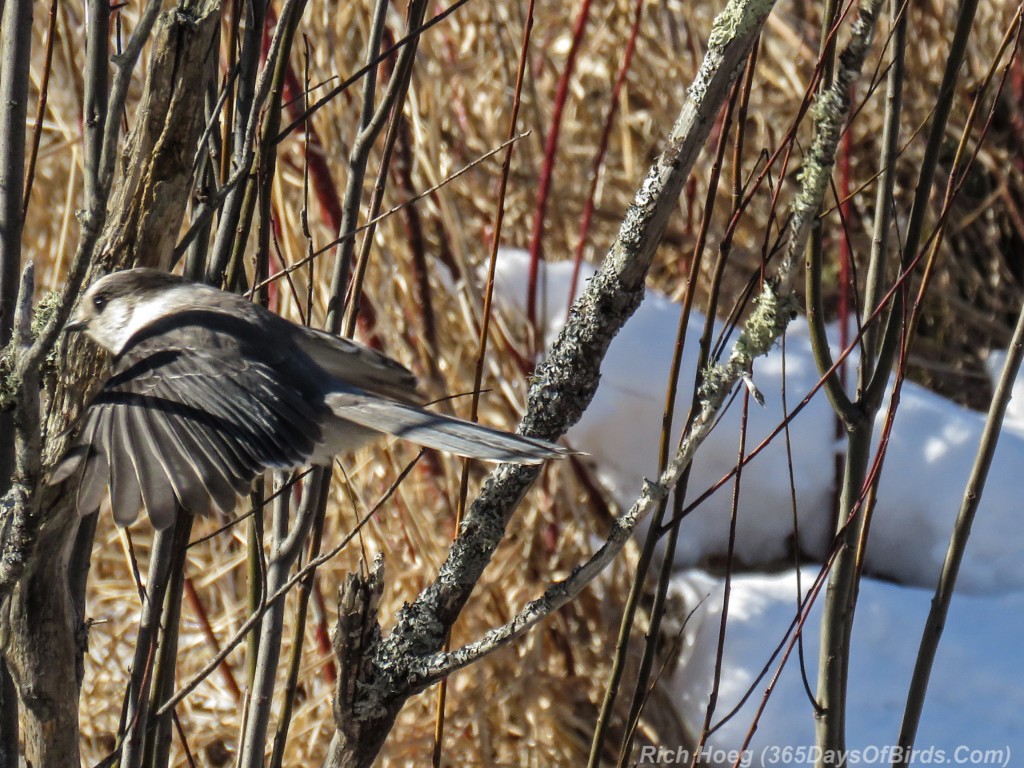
(41, 638)
(355, 635)
(41, 629)
(149, 202)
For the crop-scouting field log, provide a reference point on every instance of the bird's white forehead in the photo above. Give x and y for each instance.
(126, 315)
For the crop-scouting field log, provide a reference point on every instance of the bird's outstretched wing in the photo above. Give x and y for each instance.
(194, 410)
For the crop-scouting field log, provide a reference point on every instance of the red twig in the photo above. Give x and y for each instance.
(323, 634)
(602, 149)
(199, 610)
(548, 169)
(37, 130)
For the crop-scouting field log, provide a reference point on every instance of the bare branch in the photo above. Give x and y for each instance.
(369, 128)
(563, 386)
(124, 66)
(94, 112)
(246, 150)
(15, 55)
(426, 671)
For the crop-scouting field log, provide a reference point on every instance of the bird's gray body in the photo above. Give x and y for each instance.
(208, 390)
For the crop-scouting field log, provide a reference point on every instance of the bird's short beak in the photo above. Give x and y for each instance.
(75, 326)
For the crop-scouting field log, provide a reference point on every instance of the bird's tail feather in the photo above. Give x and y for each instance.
(445, 433)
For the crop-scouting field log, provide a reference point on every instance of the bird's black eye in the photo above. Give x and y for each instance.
(99, 302)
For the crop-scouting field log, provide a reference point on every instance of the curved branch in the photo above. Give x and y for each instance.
(426, 671)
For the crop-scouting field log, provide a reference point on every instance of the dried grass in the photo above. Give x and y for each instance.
(534, 703)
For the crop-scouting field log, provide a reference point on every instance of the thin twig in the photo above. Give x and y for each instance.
(371, 64)
(602, 148)
(547, 170)
(245, 141)
(44, 89)
(393, 105)
(390, 212)
(370, 125)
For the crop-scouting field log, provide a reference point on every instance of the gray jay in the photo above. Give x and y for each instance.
(208, 390)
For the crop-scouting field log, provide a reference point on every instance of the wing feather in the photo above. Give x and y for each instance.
(224, 470)
(125, 494)
(156, 481)
(445, 433)
(251, 423)
(359, 366)
(85, 465)
(178, 465)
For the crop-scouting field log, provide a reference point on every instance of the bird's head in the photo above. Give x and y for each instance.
(118, 305)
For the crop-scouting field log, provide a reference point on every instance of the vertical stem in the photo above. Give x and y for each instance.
(870, 399)
(295, 660)
(287, 546)
(140, 682)
(252, 93)
(158, 742)
(44, 87)
(922, 192)
(15, 54)
(356, 173)
(232, 10)
(96, 94)
(252, 744)
(248, 67)
(257, 190)
(936, 620)
(393, 102)
(78, 568)
(837, 618)
(883, 209)
(256, 573)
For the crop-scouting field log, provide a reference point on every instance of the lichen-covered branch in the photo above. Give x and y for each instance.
(562, 389)
(427, 671)
(773, 310)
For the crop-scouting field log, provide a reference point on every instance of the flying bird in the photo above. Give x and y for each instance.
(208, 390)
